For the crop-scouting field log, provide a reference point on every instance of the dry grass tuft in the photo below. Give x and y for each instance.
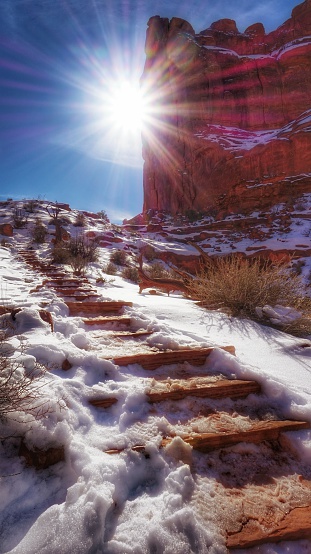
(238, 287)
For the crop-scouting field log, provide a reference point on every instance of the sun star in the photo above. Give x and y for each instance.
(125, 106)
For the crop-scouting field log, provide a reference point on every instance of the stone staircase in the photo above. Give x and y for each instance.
(264, 501)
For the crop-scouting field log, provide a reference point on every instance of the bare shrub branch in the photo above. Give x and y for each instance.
(20, 218)
(20, 389)
(77, 252)
(239, 286)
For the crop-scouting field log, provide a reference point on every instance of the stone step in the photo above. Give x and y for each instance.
(102, 402)
(66, 282)
(153, 360)
(123, 320)
(54, 271)
(74, 291)
(129, 334)
(259, 432)
(96, 308)
(137, 448)
(296, 525)
(79, 296)
(217, 389)
(69, 285)
(53, 274)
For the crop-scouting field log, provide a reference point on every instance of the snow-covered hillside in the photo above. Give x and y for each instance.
(106, 496)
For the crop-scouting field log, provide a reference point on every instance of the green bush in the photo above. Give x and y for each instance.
(193, 215)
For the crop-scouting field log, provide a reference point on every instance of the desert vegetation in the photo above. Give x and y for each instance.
(80, 220)
(20, 218)
(20, 389)
(130, 273)
(77, 252)
(119, 257)
(246, 288)
(39, 231)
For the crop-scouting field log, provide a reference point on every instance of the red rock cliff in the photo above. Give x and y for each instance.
(230, 114)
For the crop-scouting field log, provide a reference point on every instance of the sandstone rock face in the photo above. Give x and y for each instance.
(231, 114)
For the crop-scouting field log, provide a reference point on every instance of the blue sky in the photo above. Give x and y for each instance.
(57, 59)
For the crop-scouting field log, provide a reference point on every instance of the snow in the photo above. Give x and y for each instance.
(277, 54)
(236, 139)
(125, 503)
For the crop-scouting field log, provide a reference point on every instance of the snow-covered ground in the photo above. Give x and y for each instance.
(94, 502)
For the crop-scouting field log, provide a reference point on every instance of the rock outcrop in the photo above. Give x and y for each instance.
(230, 114)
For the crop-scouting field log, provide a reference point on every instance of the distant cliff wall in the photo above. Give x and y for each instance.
(230, 121)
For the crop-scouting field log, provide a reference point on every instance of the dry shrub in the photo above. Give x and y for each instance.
(82, 252)
(20, 389)
(110, 269)
(20, 218)
(39, 231)
(119, 257)
(240, 286)
(80, 220)
(103, 216)
(149, 253)
(61, 254)
(157, 271)
(31, 206)
(130, 273)
(77, 252)
(301, 327)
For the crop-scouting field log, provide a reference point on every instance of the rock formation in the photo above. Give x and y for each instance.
(230, 114)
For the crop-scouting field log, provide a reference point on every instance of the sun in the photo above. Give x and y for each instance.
(126, 106)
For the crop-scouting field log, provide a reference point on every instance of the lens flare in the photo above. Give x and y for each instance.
(125, 106)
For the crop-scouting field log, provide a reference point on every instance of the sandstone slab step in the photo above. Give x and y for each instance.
(218, 389)
(153, 360)
(79, 296)
(102, 402)
(51, 274)
(296, 525)
(130, 334)
(122, 319)
(96, 308)
(69, 280)
(259, 432)
(64, 283)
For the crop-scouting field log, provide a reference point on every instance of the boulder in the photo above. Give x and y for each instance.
(6, 229)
